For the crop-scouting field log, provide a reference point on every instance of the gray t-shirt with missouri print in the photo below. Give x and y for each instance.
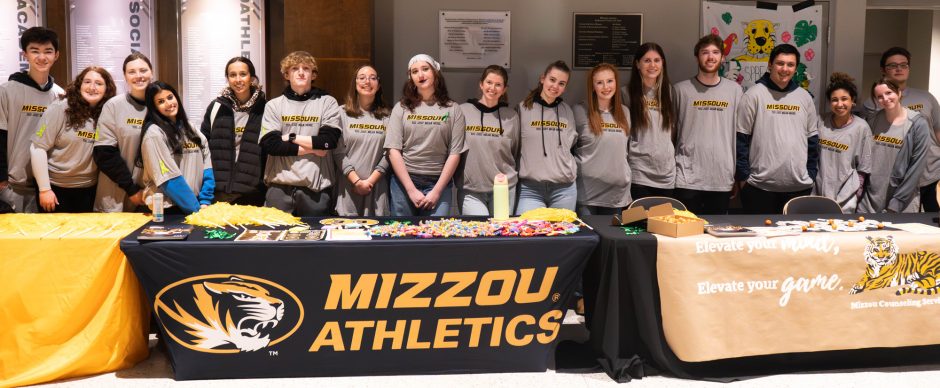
(603, 169)
(68, 149)
(305, 119)
(492, 147)
(652, 154)
(21, 107)
(362, 150)
(780, 124)
(923, 102)
(705, 149)
(162, 164)
(119, 125)
(843, 153)
(548, 137)
(426, 136)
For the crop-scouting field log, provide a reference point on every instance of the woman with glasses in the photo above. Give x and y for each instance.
(363, 189)
(232, 124)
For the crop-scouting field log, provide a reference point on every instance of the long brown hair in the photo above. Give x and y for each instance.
(616, 109)
(639, 115)
(79, 111)
(378, 107)
(890, 84)
(410, 98)
(530, 98)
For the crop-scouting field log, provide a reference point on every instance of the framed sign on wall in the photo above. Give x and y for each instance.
(606, 37)
(474, 39)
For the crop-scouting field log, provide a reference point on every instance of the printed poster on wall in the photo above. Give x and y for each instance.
(749, 35)
(17, 17)
(103, 33)
(214, 31)
(470, 39)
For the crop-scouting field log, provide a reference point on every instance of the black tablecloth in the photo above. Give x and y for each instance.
(460, 283)
(623, 314)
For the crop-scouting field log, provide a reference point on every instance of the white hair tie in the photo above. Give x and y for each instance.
(424, 58)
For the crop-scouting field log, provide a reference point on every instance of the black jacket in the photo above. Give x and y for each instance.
(245, 174)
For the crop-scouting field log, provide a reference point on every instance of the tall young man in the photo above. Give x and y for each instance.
(777, 141)
(23, 99)
(896, 66)
(706, 138)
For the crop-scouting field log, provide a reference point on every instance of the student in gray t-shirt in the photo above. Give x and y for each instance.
(899, 154)
(845, 143)
(651, 100)
(174, 156)
(896, 66)
(118, 141)
(492, 137)
(299, 131)
(61, 149)
(23, 99)
(547, 166)
(603, 145)
(705, 142)
(777, 141)
(424, 141)
(363, 187)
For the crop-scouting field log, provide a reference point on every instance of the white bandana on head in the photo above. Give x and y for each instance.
(424, 58)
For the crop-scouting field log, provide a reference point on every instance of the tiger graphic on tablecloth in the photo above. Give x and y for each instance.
(915, 273)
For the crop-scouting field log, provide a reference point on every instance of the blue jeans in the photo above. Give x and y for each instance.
(481, 204)
(533, 195)
(401, 204)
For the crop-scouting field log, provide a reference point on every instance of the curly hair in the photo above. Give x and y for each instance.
(79, 111)
(843, 81)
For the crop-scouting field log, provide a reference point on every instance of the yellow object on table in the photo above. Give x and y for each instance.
(70, 304)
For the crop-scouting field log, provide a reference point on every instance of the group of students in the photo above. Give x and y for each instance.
(702, 141)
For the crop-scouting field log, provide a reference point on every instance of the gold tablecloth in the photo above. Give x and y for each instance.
(70, 304)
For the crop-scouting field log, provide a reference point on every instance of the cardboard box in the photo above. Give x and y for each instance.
(667, 227)
(631, 215)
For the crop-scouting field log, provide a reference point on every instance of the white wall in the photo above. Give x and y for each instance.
(541, 33)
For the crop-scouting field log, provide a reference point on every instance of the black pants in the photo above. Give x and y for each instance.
(757, 201)
(640, 191)
(299, 201)
(704, 202)
(72, 200)
(928, 198)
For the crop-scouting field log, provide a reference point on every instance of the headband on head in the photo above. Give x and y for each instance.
(424, 58)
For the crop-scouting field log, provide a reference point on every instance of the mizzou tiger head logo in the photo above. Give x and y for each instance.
(228, 313)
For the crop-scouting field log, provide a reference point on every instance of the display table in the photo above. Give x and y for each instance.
(239, 309)
(710, 308)
(69, 303)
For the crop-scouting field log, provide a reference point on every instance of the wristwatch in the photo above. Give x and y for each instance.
(291, 137)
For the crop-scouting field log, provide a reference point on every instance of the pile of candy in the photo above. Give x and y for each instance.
(458, 228)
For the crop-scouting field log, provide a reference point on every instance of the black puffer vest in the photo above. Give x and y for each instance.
(244, 175)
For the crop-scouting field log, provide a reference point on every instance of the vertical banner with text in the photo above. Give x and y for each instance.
(103, 33)
(17, 16)
(212, 33)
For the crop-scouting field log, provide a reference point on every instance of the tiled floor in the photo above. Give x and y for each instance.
(156, 372)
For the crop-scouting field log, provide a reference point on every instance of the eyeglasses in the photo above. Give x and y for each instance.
(363, 78)
(895, 66)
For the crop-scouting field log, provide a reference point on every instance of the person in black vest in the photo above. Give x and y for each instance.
(232, 124)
